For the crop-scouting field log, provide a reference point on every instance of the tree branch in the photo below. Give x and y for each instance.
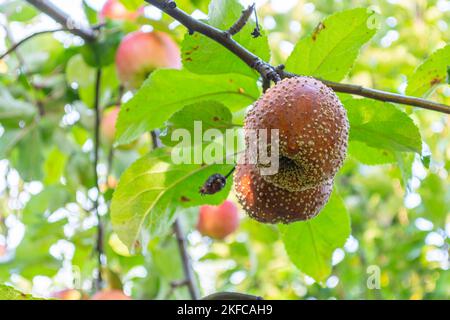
(65, 20)
(269, 72)
(266, 70)
(188, 272)
(380, 95)
(99, 245)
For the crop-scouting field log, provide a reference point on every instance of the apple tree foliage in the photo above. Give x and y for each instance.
(390, 203)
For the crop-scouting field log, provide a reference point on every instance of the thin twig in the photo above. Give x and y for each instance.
(65, 20)
(181, 239)
(188, 272)
(99, 245)
(23, 70)
(156, 142)
(269, 72)
(175, 285)
(242, 21)
(19, 43)
(230, 173)
(110, 163)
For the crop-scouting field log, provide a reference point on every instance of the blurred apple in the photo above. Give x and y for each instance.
(3, 250)
(140, 53)
(110, 184)
(108, 124)
(68, 294)
(218, 222)
(108, 130)
(115, 10)
(110, 295)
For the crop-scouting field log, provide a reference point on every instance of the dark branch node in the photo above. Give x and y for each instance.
(256, 32)
(280, 68)
(179, 283)
(266, 70)
(170, 4)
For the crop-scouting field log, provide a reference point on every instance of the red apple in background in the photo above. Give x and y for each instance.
(3, 250)
(218, 222)
(110, 184)
(110, 295)
(68, 294)
(108, 124)
(140, 53)
(115, 10)
(108, 129)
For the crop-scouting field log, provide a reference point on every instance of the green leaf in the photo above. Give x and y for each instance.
(48, 200)
(28, 157)
(211, 115)
(91, 14)
(54, 166)
(435, 199)
(132, 4)
(10, 138)
(152, 188)
(330, 51)
(82, 76)
(198, 50)
(102, 52)
(32, 256)
(432, 72)
(382, 125)
(13, 111)
(42, 53)
(18, 11)
(200, 4)
(9, 293)
(310, 244)
(190, 5)
(405, 162)
(167, 91)
(368, 155)
(448, 74)
(79, 171)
